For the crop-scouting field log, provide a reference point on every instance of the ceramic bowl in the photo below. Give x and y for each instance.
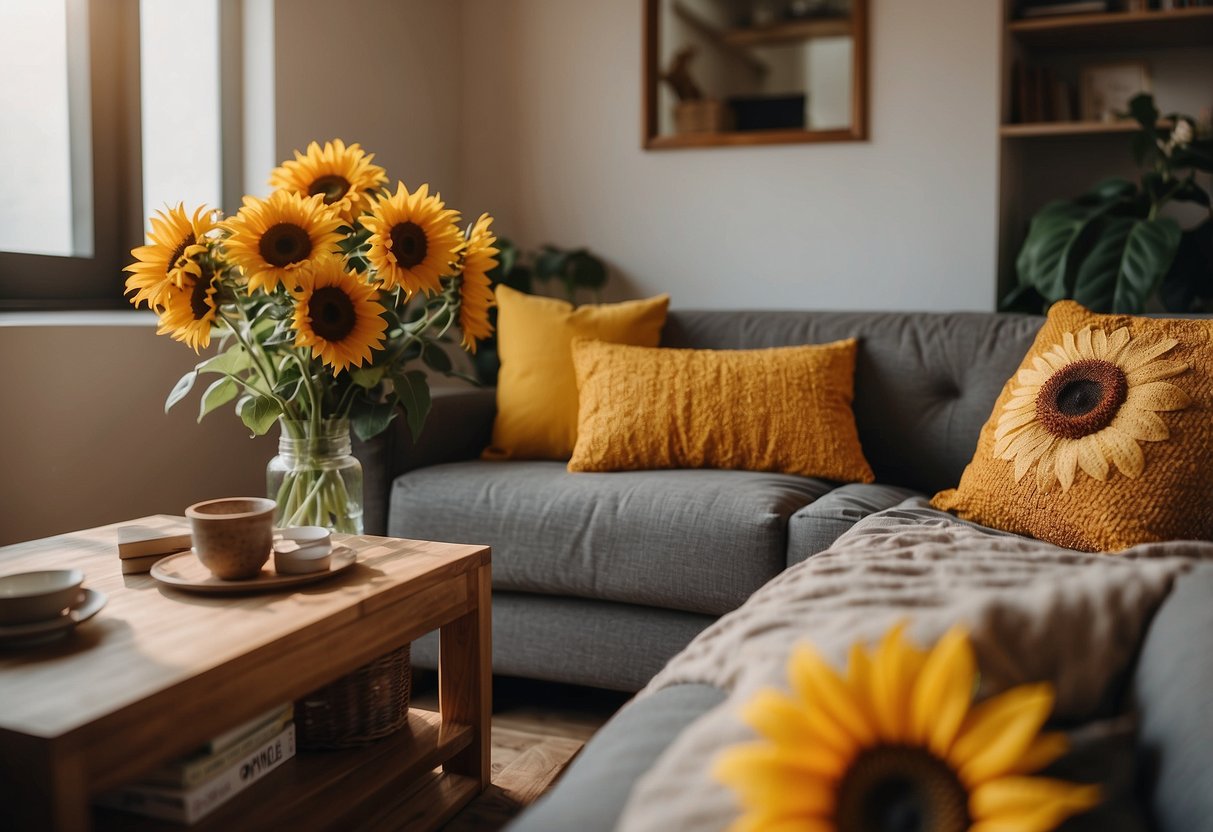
(302, 549)
(38, 596)
(233, 535)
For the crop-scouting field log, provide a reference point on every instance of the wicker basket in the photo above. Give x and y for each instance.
(358, 708)
(706, 115)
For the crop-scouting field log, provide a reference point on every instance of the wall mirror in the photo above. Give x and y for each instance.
(744, 72)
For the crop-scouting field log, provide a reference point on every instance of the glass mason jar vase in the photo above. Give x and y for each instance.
(315, 479)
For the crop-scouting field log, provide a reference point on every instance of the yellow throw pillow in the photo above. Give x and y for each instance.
(786, 409)
(537, 388)
(1102, 439)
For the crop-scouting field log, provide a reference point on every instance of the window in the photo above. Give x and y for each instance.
(112, 109)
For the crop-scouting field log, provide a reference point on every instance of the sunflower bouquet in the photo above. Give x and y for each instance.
(324, 299)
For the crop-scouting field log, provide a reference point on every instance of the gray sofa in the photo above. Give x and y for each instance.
(600, 578)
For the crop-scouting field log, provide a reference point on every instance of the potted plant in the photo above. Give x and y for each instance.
(1112, 249)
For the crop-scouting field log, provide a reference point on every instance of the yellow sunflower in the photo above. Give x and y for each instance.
(897, 744)
(272, 239)
(1087, 401)
(475, 289)
(415, 240)
(189, 311)
(338, 315)
(343, 176)
(174, 242)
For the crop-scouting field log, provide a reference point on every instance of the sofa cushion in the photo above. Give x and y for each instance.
(815, 527)
(1097, 442)
(700, 541)
(537, 387)
(785, 409)
(593, 790)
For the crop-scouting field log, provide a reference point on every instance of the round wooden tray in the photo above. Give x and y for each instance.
(185, 571)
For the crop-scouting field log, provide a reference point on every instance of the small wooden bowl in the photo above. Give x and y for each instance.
(232, 535)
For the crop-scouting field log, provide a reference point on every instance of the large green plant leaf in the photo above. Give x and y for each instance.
(220, 392)
(1126, 263)
(369, 419)
(181, 389)
(413, 393)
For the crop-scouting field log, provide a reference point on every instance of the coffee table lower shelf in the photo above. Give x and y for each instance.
(389, 785)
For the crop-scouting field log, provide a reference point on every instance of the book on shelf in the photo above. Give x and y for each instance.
(142, 541)
(229, 738)
(1045, 8)
(191, 805)
(194, 769)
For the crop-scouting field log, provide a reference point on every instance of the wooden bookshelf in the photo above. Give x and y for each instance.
(1045, 129)
(1117, 30)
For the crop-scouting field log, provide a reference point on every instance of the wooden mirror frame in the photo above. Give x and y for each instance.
(858, 131)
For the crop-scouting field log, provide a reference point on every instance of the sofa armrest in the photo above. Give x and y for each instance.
(814, 528)
(459, 427)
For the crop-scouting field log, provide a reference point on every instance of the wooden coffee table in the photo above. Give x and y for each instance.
(160, 671)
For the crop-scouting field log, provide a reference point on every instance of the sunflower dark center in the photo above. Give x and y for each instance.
(896, 788)
(199, 303)
(179, 251)
(332, 313)
(284, 244)
(331, 185)
(409, 244)
(1081, 398)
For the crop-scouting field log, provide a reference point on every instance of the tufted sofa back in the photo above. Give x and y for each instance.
(924, 382)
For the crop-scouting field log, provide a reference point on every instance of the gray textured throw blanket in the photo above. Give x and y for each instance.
(1034, 611)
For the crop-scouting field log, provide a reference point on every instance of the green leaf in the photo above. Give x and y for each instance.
(220, 392)
(181, 389)
(413, 392)
(1142, 108)
(549, 263)
(369, 419)
(1055, 244)
(1126, 264)
(367, 377)
(258, 413)
(585, 270)
(234, 361)
(1198, 154)
(436, 358)
(1109, 190)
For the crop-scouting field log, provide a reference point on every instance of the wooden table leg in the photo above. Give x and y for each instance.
(465, 679)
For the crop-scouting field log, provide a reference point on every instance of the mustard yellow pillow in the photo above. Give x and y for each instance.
(786, 409)
(1102, 439)
(537, 387)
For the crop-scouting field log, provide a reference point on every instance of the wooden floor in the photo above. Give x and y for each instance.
(538, 727)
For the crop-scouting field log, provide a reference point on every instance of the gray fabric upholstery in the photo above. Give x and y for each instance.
(459, 426)
(815, 527)
(700, 541)
(595, 643)
(592, 792)
(1173, 688)
(925, 382)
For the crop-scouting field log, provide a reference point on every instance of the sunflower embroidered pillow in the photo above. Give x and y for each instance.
(1102, 438)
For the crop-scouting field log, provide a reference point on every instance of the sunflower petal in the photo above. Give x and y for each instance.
(1122, 450)
(822, 688)
(785, 723)
(1155, 371)
(1117, 341)
(1070, 347)
(1044, 750)
(897, 665)
(1158, 395)
(1067, 463)
(1031, 453)
(999, 731)
(1046, 473)
(943, 692)
(771, 779)
(1091, 458)
(1084, 343)
(1139, 352)
(1009, 422)
(766, 822)
(1142, 425)
(1035, 803)
(1099, 344)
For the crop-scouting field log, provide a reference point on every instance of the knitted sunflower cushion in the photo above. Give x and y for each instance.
(1104, 437)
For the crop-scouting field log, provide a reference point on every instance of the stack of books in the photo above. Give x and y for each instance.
(139, 547)
(1049, 8)
(190, 788)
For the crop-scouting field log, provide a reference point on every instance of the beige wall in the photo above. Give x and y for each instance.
(84, 436)
(384, 73)
(551, 140)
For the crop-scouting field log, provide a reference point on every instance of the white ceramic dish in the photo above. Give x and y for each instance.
(302, 550)
(88, 603)
(30, 597)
